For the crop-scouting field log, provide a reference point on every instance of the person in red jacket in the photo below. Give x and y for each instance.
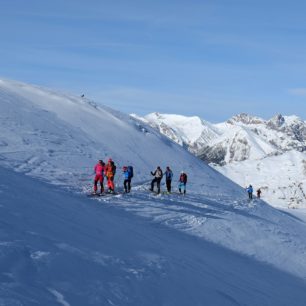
(182, 182)
(110, 171)
(99, 171)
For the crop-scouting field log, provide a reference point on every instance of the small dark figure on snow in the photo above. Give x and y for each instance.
(128, 175)
(258, 193)
(182, 182)
(168, 175)
(158, 175)
(250, 192)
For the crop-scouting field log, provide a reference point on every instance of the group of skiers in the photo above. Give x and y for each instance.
(250, 192)
(109, 170)
(158, 175)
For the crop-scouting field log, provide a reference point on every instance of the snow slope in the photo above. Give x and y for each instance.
(59, 248)
(211, 246)
(281, 178)
(247, 149)
(60, 138)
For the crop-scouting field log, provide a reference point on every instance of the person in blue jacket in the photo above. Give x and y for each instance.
(250, 192)
(127, 174)
(169, 175)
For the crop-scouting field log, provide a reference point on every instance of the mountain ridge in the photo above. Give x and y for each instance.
(245, 138)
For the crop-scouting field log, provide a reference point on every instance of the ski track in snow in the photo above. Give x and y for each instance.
(78, 251)
(214, 218)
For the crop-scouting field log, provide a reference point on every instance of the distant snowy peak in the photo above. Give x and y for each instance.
(292, 126)
(246, 119)
(191, 132)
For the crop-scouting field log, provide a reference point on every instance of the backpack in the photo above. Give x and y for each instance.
(183, 178)
(159, 173)
(130, 171)
(113, 167)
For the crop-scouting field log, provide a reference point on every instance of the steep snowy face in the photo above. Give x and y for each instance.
(60, 137)
(237, 143)
(190, 132)
(256, 138)
(293, 127)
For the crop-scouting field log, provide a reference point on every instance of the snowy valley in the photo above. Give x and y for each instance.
(210, 247)
(269, 154)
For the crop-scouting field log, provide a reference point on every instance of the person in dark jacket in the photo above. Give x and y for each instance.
(169, 176)
(182, 182)
(158, 175)
(258, 193)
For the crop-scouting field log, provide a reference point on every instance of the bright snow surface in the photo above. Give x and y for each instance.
(58, 247)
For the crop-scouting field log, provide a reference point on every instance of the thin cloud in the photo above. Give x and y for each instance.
(301, 92)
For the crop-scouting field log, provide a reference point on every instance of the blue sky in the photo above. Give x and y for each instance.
(208, 58)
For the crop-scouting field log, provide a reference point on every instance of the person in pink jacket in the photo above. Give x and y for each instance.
(99, 171)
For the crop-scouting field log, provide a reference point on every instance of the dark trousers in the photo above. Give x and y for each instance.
(157, 181)
(168, 184)
(250, 195)
(127, 185)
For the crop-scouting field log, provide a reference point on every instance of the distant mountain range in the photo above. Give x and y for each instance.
(270, 154)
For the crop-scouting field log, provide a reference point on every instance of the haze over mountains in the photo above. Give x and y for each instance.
(270, 154)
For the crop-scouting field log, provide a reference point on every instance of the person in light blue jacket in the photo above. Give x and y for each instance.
(250, 192)
(127, 174)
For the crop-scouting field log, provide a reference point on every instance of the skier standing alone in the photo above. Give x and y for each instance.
(128, 175)
(168, 175)
(182, 182)
(158, 175)
(250, 192)
(110, 171)
(99, 171)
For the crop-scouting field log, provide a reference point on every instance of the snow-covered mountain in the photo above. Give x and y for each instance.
(237, 147)
(59, 247)
(190, 132)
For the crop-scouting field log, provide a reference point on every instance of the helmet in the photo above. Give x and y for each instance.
(100, 161)
(182, 172)
(110, 160)
(124, 168)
